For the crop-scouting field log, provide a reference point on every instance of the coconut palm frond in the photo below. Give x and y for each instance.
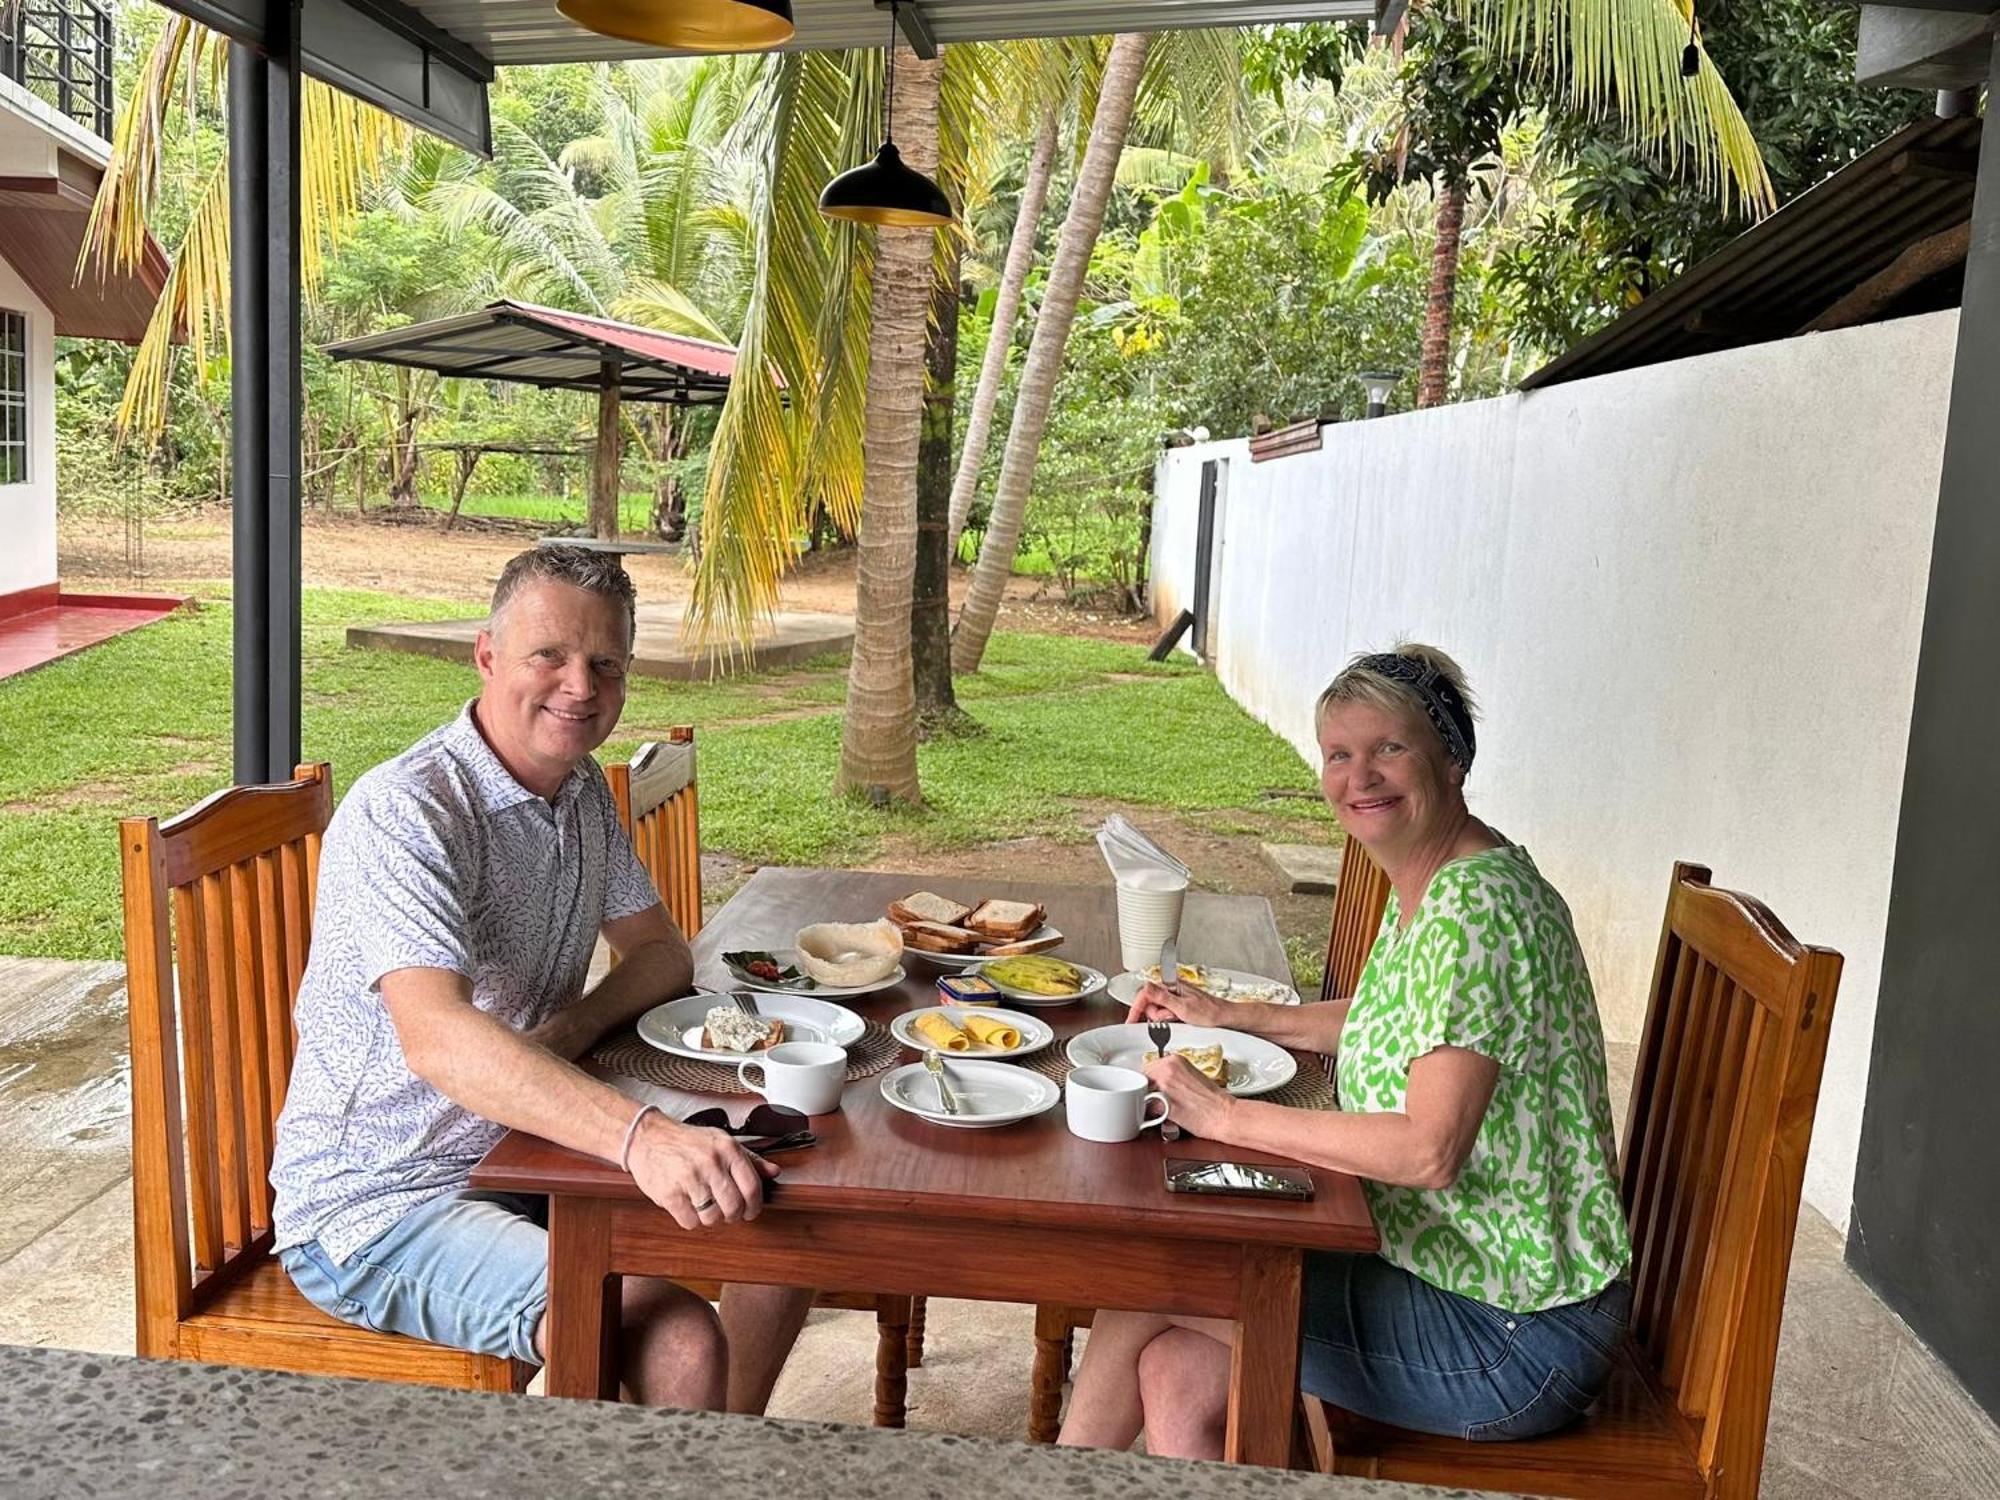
(661, 305)
(194, 298)
(1193, 96)
(116, 238)
(756, 497)
(1622, 59)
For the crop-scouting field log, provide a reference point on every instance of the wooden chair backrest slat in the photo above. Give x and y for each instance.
(1714, 1160)
(655, 794)
(1360, 897)
(218, 925)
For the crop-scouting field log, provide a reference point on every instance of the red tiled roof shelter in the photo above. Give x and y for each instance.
(541, 346)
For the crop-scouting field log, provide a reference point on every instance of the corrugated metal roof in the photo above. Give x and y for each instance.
(532, 31)
(1893, 206)
(518, 341)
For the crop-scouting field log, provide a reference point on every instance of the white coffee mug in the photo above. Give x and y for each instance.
(1109, 1104)
(806, 1076)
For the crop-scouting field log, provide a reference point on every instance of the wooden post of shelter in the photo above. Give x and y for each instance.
(610, 450)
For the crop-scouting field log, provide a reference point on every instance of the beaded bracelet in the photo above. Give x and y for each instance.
(631, 1133)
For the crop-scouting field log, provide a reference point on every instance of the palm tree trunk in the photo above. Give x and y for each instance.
(1045, 352)
(930, 610)
(1434, 374)
(878, 741)
(1006, 307)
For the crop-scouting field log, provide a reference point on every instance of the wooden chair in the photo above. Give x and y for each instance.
(218, 922)
(1714, 1162)
(1359, 899)
(655, 796)
(1360, 896)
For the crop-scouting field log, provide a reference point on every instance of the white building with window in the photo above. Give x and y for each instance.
(55, 117)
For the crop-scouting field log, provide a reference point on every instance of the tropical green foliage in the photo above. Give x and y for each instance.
(1269, 239)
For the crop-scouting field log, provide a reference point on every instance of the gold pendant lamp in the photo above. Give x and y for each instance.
(887, 190)
(687, 25)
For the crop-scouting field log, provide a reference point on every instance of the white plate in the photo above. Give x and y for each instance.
(676, 1026)
(1124, 988)
(988, 1093)
(1255, 1065)
(1093, 981)
(1035, 1035)
(967, 960)
(788, 958)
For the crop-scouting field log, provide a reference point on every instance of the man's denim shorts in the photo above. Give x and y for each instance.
(469, 1270)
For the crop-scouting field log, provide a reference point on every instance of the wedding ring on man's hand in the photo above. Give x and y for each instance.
(705, 1204)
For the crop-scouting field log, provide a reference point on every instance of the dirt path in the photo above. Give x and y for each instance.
(389, 554)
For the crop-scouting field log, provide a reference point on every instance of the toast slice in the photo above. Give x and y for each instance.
(924, 906)
(1005, 921)
(727, 1029)
(1025, 945)
(937, 937)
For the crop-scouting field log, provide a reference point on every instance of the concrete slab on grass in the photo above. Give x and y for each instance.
(1309, 869)
(792, 637)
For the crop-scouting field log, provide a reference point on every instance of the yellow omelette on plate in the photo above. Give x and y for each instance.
(991, 1033)
(941, 1034)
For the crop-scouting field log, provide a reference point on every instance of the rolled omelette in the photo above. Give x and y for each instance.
(941, 1034)
(991, 1033)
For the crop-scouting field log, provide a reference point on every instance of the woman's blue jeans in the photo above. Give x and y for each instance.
(1383, 1343)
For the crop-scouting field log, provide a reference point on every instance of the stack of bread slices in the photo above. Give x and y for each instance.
(993, 929)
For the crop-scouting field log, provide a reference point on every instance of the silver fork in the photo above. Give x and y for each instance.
(747, 1003)
(1159, 1034)
(934, 1065)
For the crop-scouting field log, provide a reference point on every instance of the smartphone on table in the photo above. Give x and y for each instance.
(1239, 1179)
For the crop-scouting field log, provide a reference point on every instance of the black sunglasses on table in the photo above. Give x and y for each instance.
(768, 1127)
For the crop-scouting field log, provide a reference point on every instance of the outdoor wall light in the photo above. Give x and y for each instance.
(885, 190)
(687, 25)
(1378, 384)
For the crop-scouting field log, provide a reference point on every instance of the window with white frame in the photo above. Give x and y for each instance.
(13, 397)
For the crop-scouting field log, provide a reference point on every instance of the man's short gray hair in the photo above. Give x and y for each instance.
(597, 573)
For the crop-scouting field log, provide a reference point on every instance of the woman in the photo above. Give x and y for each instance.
(1473, 1105)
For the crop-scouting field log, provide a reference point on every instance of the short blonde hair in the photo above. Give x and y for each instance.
(1361, 682)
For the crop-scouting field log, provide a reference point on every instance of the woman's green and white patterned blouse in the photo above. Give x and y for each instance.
(1491, 963)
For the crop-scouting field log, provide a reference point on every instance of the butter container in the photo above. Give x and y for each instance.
(968, 989)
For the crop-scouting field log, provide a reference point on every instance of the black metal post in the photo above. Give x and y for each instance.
(266, 392)
(284, 401)
(1925, 1205)
(250, 496)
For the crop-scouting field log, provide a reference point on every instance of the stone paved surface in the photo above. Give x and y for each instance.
(80, 1426)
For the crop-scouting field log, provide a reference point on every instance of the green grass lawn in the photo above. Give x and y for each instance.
(141, 724)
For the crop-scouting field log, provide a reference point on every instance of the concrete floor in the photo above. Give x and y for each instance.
(1860, 1408)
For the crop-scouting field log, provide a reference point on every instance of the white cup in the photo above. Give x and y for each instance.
(1109, 1104)
(806, 1076)
(1149, 912)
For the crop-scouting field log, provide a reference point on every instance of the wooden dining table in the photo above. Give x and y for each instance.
(889, 1202)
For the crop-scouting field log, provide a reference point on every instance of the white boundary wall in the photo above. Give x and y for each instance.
(28, 511)
(1689, 598)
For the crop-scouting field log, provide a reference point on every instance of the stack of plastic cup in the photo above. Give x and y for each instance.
(1149, 912)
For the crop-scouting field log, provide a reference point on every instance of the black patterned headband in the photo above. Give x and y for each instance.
(1442, 702)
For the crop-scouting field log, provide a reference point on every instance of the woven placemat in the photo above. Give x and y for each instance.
(625, 1054)
(1309, 1088)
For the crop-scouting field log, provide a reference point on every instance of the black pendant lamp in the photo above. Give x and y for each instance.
(687, 25)
(885, 190)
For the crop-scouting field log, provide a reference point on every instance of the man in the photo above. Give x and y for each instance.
(462, 886)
